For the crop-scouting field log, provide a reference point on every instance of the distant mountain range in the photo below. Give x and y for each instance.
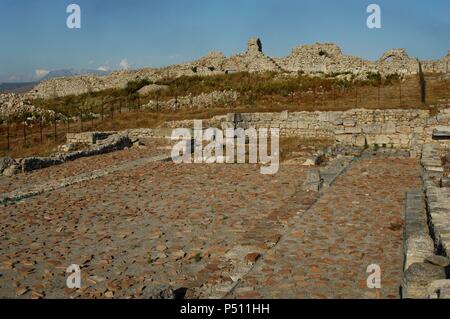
(72, 72)
(22, 87)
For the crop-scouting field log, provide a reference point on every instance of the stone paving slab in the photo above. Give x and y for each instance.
(81, 165)
(157, 224)
(357, 222)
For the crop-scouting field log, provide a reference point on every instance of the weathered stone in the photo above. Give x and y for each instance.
(159, 292)
(312, 161)
(417, 242)
(152, 88)
(418, 278)
(34, 163)
(11, 170)
(445, 182)
(438, 289)
(6, 162)
(438, 260)
(313, 181)
(110, 144)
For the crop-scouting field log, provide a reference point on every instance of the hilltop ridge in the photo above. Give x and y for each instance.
(318, 58)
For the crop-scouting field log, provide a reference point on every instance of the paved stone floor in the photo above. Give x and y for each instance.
(159, 224)
(356, 223)
(205, 227)
(82, 165)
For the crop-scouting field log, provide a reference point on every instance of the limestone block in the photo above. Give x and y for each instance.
(284, 115)
(382, 139)
(352, 129)
(360, 140)
(418, 278)
(403, 129)
(371, 128)
(388, 128)
(302, 124)
(6, 162)
(349, 123)
(439, 289)
(345, 139)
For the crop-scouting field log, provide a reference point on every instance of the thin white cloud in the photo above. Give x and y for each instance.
(40, 73)
(124, 64)
(103, 68)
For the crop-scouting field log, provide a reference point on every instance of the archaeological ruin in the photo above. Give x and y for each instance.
(319, 58)
(360, 187)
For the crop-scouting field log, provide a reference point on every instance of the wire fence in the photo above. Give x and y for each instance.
(398, 95)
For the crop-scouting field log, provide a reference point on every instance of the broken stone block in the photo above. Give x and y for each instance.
(418, 243)
(159, 292)
(360, 140)
(441, 134)
(11, 170)
(6, 162)
(438, 260)
(418, 278)
(312, 161)
(444, 293)
(439, 289)
(417, 247)
(445, 182)
(313, 181)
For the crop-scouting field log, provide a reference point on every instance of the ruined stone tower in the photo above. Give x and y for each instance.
(254, 46)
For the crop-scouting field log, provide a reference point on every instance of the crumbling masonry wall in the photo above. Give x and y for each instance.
(326, 58)
(406, 129)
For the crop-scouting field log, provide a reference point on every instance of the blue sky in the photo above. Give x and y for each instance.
(34, 35)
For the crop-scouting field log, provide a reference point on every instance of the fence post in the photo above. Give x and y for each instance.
(102, 111)
(112, 113)
(7, 134)
(92, 119)
(24, 132)
(54, 127)
(356, 96)
(40, 130)
(81, 121)
(400, 87)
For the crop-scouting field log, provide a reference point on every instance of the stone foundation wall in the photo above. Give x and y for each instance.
(404, 129)
(407, 129)
(88, 138)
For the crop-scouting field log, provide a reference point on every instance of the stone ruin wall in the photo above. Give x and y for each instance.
(324, 58)
(402, 129)
(405, 129)
(437, 66)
